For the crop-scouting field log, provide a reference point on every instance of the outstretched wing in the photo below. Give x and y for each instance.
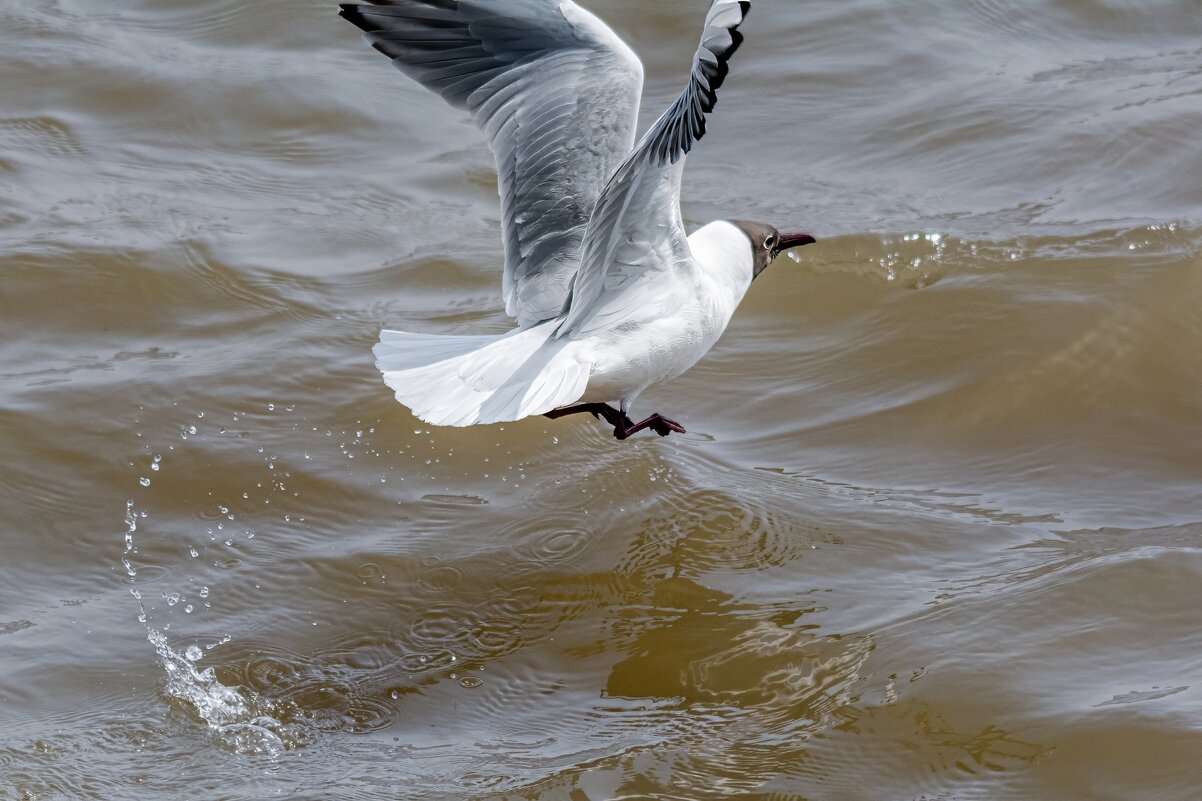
(636, 226)
(556, 93)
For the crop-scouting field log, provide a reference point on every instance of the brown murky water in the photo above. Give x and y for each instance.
(935, 532)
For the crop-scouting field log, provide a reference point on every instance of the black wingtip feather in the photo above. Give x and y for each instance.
(736, 41)
(351, 13)
(685, 122)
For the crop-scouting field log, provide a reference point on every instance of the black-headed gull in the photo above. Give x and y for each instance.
(609, 293)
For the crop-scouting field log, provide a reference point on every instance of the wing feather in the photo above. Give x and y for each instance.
(641, 203)
(556, 94)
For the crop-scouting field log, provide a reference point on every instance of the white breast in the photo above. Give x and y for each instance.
(684, 315)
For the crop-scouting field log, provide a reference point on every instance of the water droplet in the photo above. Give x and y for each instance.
(193, 552)
(145, 482)
(271, 407)
(471, 682)
(794, 257)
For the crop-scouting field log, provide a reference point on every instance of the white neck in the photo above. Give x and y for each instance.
(724, 253)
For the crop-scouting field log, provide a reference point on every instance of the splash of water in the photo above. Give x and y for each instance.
(238, 719)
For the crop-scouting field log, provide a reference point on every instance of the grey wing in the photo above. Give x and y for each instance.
(636, 225)
(556, 93)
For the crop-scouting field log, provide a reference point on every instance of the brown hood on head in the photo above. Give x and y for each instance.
(767, 243)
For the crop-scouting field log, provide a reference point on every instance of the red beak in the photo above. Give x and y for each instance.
(793, 241)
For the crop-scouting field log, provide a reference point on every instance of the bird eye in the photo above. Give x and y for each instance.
(770, 243)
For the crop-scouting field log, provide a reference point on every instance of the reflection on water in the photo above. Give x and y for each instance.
(934, 532)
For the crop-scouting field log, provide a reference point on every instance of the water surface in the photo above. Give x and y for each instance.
(935, 532)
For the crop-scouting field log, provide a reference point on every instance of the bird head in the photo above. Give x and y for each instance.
(767, 243)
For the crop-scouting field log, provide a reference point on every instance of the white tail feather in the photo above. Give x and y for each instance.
(465, 380)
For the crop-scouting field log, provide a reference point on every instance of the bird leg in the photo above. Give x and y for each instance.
(599, 410)
(657, 423)
(623, 425)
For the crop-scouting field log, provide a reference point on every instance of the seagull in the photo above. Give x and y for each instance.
(609, 292)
